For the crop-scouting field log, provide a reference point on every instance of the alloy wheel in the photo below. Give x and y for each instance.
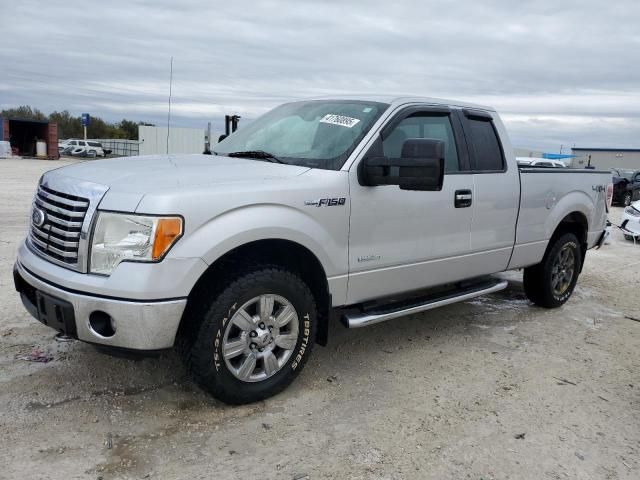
(562, 270)
(260, 338)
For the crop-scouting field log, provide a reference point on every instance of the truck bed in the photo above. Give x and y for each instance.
(547, 195)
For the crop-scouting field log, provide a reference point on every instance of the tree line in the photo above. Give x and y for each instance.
(71, 127)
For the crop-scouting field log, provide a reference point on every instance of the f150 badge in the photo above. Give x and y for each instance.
(327, 202)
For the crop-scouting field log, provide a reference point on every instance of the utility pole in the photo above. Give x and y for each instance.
(207, 145)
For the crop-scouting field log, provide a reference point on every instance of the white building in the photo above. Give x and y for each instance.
(153, 140)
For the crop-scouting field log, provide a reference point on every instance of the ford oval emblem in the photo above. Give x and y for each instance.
(38, 217)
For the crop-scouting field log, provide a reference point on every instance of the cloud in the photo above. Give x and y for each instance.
(543, 64)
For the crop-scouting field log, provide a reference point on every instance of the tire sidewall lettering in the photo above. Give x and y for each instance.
(306, 332)
(217, 359)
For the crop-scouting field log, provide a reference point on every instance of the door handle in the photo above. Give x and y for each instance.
(463, 198)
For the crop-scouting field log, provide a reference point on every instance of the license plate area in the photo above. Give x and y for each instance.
(56, 313)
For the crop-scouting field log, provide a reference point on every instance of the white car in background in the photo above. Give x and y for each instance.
(82, 148)
(540, 162)
(630, 225)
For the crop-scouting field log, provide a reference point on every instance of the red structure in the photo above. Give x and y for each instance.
(23, 134)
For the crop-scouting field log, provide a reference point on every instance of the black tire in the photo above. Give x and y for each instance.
(627, 199)
(202, 348)
(538, 279)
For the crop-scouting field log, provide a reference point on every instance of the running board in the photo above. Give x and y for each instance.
(359, 319)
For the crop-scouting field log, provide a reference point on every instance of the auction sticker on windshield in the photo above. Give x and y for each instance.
(341, 120)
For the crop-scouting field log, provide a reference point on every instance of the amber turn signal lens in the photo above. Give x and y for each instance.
(168, 230)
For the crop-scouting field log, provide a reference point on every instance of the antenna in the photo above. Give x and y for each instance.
(169, 112)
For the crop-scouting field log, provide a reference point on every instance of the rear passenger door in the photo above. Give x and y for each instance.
(496, 191)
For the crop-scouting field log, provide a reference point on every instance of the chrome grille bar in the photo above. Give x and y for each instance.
(60, 210)
(58, 234)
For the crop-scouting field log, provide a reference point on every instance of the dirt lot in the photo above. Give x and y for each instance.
(493, 388)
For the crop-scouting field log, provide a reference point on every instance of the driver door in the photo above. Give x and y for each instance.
(403, 240)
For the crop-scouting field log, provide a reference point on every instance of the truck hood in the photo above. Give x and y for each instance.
(159, 173)
(128, 180)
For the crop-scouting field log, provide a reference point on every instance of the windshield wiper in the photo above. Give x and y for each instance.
(257, 154)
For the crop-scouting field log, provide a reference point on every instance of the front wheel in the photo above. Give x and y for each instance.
(255, 337)
(550, 283)
(626, 200)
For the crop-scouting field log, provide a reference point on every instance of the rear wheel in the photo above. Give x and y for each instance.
(550, 283)
(254, 338)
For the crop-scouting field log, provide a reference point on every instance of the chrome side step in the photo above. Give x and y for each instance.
(365, 318)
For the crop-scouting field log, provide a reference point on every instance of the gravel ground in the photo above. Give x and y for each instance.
(493, 388)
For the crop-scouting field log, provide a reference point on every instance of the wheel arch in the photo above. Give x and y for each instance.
(269, 252)
(575, 222)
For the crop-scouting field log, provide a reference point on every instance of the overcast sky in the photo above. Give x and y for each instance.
(559, 71)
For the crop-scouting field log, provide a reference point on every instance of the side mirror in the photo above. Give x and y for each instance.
(420, 167)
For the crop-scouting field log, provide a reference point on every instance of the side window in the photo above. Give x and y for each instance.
(73, 142)
(484, 145)
(423, 126)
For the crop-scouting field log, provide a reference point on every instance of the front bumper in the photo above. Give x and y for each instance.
(630, 225)
(138, 324)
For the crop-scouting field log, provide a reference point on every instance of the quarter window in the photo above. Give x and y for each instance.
(422, 125)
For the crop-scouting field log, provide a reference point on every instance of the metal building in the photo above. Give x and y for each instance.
(605, 158)
(153, 140)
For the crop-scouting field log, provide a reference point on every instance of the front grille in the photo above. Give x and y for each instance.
(59, 236)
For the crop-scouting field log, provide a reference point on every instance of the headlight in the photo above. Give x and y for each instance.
(632, 211)
(121, 237)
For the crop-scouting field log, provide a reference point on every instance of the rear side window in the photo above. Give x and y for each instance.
(484, 146)
(94, 144)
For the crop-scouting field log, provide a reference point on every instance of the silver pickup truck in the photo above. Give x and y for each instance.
(366, 208)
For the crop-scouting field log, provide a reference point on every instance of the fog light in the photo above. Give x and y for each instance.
(102, 324)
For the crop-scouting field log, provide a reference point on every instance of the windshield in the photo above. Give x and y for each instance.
(318, 134)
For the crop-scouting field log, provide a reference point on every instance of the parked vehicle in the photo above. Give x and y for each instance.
(626, 186)
(539, 162)
(364, 208)
(630, 225)
(82, 148)
(547, 163)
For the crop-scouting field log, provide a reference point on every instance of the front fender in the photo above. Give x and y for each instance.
(326, 237)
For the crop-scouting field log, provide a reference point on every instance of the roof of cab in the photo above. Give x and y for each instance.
(396, 100)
